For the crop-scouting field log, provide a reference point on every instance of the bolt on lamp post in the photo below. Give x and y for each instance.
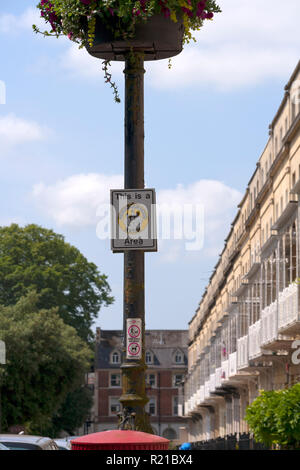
(158, 38)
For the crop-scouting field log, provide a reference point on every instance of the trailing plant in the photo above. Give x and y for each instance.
(76, 19)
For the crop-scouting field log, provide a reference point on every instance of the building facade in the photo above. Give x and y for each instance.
(166, 359)
(242, 335)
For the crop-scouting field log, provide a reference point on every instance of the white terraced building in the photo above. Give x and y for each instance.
(244, 330)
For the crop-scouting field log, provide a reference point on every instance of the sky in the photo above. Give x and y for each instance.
(206, 124)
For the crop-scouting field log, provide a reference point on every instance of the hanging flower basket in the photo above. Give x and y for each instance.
(158, 38)
(109, 29)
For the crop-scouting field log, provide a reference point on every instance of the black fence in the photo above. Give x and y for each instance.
(231, 442)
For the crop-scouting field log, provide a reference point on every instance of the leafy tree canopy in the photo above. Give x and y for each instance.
(274, 417)
(46, 360)
(33, 257)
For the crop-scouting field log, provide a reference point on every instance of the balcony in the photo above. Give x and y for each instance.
(255, 340)
(288, 311)
(206, 389)
(212, 385)
(218, 377)
(270, 337)
(202, 393)
(237, 376)
(242, 353)
(269, 324)
(232, 365)
(225, 371)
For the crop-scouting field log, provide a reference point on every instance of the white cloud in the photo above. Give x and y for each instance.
(246, 44)
(74, 202)
(13, 24)
(14, 130)
(80, 63)
(219, 202)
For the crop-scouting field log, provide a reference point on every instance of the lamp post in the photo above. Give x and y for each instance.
(134, 396)
(159, 38)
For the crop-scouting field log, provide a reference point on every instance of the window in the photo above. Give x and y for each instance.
(114, 405)
(151, 406)
(151, 380)
(177, 379)
(175, 406)
(178, 357)
(293, 179)
(149, 357)
(115, 380)
(115, 358)
(293, 110)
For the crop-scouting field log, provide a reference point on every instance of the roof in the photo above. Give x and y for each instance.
(162, 343)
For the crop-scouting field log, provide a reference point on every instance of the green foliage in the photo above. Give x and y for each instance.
(274, 417)
(73, 412)
(37, 258)
(69, 17)
(46, 360)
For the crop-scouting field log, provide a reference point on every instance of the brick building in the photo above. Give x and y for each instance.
(166, 359)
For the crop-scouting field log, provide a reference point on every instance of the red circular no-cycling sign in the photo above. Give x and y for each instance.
(134, 331)
(134, 349)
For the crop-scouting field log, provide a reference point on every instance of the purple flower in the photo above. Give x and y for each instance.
(86, 2)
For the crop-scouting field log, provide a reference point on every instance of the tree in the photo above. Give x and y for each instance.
(37, 258)
(46, 360)
(74, 411)
(261, 417)
(274, 417)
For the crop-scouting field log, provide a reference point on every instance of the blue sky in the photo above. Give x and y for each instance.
(206, 123)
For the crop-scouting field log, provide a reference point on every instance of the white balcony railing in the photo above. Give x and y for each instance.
(225, 370)
(288, 306)
(212, 385)
(218, 377)
(269, 317)
(232, 364)
(255, 340)
(198, 398)
(242, 352)
(202, 393)
(206, 389)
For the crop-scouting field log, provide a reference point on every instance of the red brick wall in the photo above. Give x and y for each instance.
(103, 377)
(166, 392)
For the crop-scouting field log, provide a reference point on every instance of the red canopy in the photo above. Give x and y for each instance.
(120, 440)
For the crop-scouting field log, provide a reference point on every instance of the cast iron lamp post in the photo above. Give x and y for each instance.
(159, 38)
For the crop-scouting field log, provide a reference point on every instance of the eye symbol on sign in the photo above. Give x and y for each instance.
(134, 331)
(134, 349)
